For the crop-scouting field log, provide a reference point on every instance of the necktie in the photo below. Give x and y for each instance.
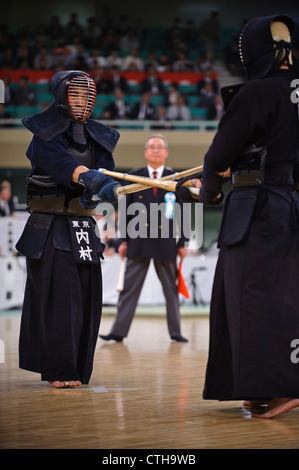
(155, 174)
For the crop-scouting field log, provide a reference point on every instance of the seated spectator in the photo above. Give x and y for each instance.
(114, 60)
(54, 29)
(96, 60)
(119, 109)
(164, 63)
(92, 33)
(73, 28)
(100, 81)
(77, 60)
(133, 61)
(42, 60)
(208, 78)
(141, 31)
(116, 81)
(161, 119)
(151, 61)
(110, 40)
(189, 32)
(152, 84)
(207, 97)
(179, 111)
(6, 200)
(172, 94)
(201, 64)
(59, 55)
(144, 109)
(24, 95)
(24, 59)
(8, 59)
(182, 63)
(129, 41)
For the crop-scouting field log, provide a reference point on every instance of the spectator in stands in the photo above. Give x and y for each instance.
(129, 41)
(118, 109)
(24, 95)
(144, 109)
(73, 28)
(133, 62)
(141, 31)
(161, 119)
(151, 60)
(182, 63)
(100, 81)
(116, 81)
(208, 77)
(8, 59)
(201, 64)
(54, 29)
(24, 60)
(152, 84)
(123, 26)
(114, 60)
(6, 200)
(78, 60)
(210, 33)
(179, 111)
(172, 94)
(42, 61)
(207, 98)
(92, 33)
(176, 32)
(110, 40)
(95, 59)
(189, 32)
(164, 63)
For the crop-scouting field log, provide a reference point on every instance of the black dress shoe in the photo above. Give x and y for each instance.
(112, 337)
(180, 339)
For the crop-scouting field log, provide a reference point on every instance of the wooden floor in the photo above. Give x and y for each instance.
(145, 393)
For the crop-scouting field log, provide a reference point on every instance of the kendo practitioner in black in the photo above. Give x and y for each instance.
(254, 314)
(63, 296)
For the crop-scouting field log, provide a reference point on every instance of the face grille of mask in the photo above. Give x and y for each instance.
(81, 97)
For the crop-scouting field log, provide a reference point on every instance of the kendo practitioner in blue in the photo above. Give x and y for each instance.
(254, 316)
(63, 295)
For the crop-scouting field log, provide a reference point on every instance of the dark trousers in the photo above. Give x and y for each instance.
(61, 316)
(136, 271)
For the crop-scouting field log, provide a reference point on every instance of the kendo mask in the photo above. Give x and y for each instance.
(75, 92)
(265, 45)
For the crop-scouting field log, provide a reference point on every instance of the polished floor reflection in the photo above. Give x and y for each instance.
(145, 393)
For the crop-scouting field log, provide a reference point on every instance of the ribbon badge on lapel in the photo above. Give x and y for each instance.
(169, 199)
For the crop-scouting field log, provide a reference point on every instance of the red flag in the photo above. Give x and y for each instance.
(182, 288)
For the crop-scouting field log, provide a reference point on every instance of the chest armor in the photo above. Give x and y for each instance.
(45, 195)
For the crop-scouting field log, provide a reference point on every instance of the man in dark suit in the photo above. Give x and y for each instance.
(152, 84)
(117, 81)
(141, 249)
(144, 109)
(119, 109)
(6, 201)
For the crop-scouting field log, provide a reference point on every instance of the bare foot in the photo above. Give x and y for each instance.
(273, 407)
(71, 383)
